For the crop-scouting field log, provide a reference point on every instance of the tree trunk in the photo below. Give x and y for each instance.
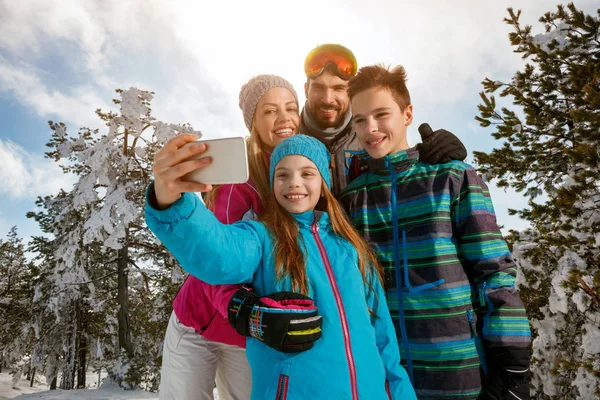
(123, 301)
(28, 373)
(32, 377)
(67, 381)
(53, 384)
(81, 346)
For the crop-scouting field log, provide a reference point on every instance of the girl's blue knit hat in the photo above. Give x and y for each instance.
(308, 147)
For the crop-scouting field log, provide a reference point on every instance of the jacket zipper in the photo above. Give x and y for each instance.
(476, 338)
(282, 387)
(399, 285)
(340, 305)
(485, 301)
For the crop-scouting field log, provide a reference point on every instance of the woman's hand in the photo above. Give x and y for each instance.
(169, 167)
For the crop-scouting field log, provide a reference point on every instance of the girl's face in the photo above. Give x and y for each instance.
(297, 184)
(276, 117)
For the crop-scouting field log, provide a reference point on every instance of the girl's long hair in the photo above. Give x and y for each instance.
(289, 256)
(258, 167)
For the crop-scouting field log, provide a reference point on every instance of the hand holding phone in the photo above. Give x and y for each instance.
(171, 163)
(229, 162)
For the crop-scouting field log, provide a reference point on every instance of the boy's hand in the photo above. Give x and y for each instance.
(285, 321)
(439, 147)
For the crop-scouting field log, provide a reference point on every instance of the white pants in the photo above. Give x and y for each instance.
(191, 363)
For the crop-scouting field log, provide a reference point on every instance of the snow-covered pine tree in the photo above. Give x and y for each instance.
(125, 278)
(15, 301)
(550, 153)
(65, 302)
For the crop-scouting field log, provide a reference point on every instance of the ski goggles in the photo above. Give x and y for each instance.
(320, 56)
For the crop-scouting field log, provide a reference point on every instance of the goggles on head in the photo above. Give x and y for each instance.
(320, 56)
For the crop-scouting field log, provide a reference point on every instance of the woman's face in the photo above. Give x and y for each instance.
(276, 117)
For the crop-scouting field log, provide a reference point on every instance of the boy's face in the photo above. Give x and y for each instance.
(327, 97)
(379, 122)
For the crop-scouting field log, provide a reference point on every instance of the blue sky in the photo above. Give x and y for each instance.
(62, 60)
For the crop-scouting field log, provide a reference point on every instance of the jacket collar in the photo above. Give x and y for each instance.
(306, 219)
(400, 161)
(328, 136)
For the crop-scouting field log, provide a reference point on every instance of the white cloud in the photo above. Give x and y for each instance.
(25, 176)
(209, 49)
(75, 105)
(105, 45)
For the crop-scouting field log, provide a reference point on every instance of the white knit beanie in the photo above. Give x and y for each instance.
(255, 88)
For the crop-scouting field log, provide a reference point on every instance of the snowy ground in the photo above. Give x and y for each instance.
(8, 392)
(40, 391)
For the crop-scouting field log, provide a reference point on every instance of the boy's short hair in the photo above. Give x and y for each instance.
(378, 76)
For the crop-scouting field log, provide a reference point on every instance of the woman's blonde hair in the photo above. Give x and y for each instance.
(289, 256)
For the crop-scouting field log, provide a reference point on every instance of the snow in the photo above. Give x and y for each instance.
(581, 300)
(107, 391)
(568, 181)
(103, 393)
(546, 340)
(583, 381)
(590, 342)
(22, 387)
(559, 299)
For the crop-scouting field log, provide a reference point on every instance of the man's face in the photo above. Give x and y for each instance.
(328, 100)
(379, 123)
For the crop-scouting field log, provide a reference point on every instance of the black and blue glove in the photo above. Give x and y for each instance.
(508, 374)
(285, 321)
(439, 147)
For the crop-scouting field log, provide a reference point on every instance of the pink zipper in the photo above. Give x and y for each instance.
(340, 305)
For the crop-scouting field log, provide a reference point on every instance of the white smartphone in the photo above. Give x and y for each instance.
(229, 162)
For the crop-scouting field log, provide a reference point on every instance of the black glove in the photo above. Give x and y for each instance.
(285, 321)
(439, 146)
(508, 374)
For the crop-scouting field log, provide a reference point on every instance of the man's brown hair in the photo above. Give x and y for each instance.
(378, 76)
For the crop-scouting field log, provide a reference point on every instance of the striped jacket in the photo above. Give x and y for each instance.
(450, 278)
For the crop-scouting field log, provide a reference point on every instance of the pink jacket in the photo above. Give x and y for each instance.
(200, 305)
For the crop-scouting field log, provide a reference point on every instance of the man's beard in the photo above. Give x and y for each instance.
(327, 123)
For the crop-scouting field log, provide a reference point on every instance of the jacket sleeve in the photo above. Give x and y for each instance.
(232, 203)
(399, 386)
(489, 265)
(209, 250)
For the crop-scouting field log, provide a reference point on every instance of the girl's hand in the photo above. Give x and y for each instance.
(169, 166)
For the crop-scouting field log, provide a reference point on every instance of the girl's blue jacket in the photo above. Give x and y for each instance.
(357, 356)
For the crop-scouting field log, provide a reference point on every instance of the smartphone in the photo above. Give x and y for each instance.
(229, 162)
